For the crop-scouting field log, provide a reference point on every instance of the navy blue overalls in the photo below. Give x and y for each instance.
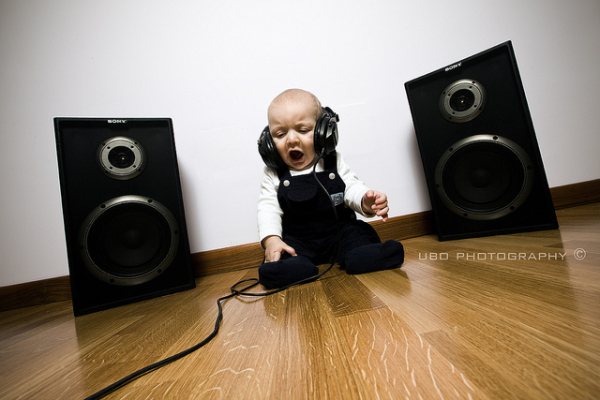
(309, 223)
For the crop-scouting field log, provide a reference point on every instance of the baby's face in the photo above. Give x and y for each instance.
(292, 126)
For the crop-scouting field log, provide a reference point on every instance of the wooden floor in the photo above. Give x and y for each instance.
(514, 316)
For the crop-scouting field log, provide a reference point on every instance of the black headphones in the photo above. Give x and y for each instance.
(326, 138)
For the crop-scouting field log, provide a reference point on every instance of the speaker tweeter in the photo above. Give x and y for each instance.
(121, 158)
(463, 100)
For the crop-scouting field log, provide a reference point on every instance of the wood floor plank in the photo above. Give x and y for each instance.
(348, 295)
(393, 361)
(517, 362)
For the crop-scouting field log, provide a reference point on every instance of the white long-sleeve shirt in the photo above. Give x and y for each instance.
(270, 213)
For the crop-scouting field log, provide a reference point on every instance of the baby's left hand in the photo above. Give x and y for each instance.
(376, 202)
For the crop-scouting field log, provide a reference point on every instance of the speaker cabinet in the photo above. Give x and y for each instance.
(123, 211)
(481, 159)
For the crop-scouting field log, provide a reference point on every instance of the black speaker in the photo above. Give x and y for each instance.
(481, 158)
(123, 211)
(325, 139)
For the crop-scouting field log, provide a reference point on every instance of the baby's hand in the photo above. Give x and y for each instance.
(376, 202)
(274, 247)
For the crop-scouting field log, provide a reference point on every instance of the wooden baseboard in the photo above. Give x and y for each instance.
(250, 255)
(34, 293)
(576, 194)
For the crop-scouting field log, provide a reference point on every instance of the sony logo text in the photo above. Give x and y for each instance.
(117, 121)
(453, 66)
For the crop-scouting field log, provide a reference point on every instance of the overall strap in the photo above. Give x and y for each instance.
(331, 161)
(283, 173)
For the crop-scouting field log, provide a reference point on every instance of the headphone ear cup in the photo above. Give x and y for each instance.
(326, 132)
(267, 150)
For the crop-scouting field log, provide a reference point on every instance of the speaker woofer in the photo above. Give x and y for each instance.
(463, 100)
(484, 177)
(129, 240)
(121, 158)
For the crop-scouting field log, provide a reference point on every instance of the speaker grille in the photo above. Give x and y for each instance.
(484, 177)
(129, 240)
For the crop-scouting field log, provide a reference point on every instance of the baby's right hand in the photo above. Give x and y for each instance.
(274, 247)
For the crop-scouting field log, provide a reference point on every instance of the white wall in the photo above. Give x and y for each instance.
(214, 67)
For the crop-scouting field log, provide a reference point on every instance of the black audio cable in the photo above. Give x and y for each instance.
(252, 282)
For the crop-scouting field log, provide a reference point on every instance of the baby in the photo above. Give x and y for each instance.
(296, 220)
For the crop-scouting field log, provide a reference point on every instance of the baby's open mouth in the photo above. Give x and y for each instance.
(296, 155)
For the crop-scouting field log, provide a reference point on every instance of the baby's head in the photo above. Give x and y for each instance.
(292, 117)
